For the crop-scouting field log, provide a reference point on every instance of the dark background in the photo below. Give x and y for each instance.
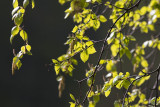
(33, 85)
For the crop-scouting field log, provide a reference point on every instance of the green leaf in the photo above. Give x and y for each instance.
(126, 84)
(117, 104)
(116, 79)
(102, 62)
(144, 63)
(75, 29)
(57, 69)
(109, 66)
(128, 53)
(91, 50)
(23, 49)
(96, 24)
(15, 3)
(14, 32)
(25, 3)
(72, 97)
(15, 59)
(132, 38)
(91, 93)
(114, 49)
(23, 34)
(33, 4)
(18, 19)
(84, 56)
(54, 61)
(19, 64)
(14, 66)
(72, 104)
(28, 47)
(96, 98)
(107, 92)
(102, 18)
(91, 104)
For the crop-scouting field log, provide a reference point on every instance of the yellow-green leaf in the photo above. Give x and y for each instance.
(54, 61)
(14, 32)
(23, 49)
(28, 47)
(102, 18)
(25, 3)
(84, 56)
(19, 64)
(72, 104)
(91, 93)
(102, 62)
(91, 50)
(144, 63)
(114, 49)
(15, 3)
(23, 34)
(57, 69)
(18, 19)
(33, 4)
(72, 97)
(91, 104)
(107, 92)
(74, 29)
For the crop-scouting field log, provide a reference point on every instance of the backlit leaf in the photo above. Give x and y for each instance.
(102, 18)
(19, 64)
(28, 47)
(15, 3)
(72, 97)
(25, 3)
(72, 104)
(33, 4)
(84, 56)
(107, 92)
(23, 34)
(14, 32)
(144, 63)
(57, 69)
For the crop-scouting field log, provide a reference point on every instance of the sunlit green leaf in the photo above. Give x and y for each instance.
(102, 61)
(84, 56)
(14, 32)
(107, 92)
(23, 49)
(33, 4)
(19, 64)
(91, 93)
(96, 98)
(28, 47)
(54, 61)
(57, 69)
(15, 3)
(23, 34)
(102, 18)
(144, 63)
(25, 3)
(72, 97)
(91, 104)
(72, 104)
(18, 18)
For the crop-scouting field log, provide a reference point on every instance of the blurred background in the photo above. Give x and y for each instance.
(35, 85)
